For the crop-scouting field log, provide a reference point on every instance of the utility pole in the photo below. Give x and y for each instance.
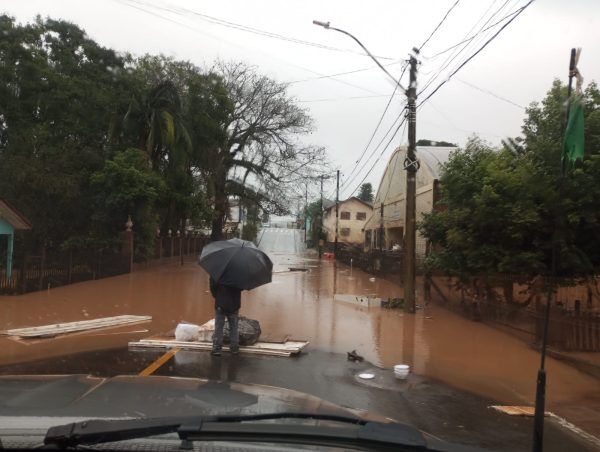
(540, 390)
(240, 215)
(305, 210)
(411, 166)
(181, 235)
(321, 220)
(381, 229)
(337, 212)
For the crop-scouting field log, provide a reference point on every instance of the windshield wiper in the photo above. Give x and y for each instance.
(356, 433)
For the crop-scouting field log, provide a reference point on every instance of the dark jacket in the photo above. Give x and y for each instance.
(226, 297)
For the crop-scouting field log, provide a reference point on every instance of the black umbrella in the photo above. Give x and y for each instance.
(236, 263)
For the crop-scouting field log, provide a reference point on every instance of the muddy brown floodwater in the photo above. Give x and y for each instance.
(435, 342)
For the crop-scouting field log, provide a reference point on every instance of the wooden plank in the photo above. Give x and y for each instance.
(96, 332)
(200, 346)
(262, 348)
(527, 411)
(83, 325)
(289, 346)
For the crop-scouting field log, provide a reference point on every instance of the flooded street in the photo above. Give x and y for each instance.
(437, 343)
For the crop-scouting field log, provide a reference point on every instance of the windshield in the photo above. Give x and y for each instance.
(413, 186)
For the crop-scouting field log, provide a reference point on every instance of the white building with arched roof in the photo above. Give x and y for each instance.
(387, 232)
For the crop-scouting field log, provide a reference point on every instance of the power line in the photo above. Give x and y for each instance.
(380, 155)
(331, 99)
(478, 35)
(455, 55)
(497, 96)
(135, 4)
(342, 73)
(376, 128)
(476, 53)
(258, 31)
(399, 117)
(350, 178)
(471, 38)
(439, 25)
(394, 168)
(471, 46)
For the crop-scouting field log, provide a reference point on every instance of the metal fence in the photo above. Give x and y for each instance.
(374, 261)
(573, 325)
(52, 269)
(58, 268)
(178, 246)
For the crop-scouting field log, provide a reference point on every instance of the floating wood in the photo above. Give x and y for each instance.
(71, 327)
(287, 348)
(527, 411)
(359, 300)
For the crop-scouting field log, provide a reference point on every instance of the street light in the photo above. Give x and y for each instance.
(327, 26)
(411, 165)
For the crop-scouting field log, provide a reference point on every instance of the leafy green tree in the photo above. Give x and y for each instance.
(156, 118)
(59, 90)
(504, 210)
(488, 224)
(127, 186)
(177, 113)
(366, 192)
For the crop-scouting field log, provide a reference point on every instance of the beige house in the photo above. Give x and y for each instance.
(385, 228)
(353, 214)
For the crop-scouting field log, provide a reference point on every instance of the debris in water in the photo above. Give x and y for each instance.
(361, 300)
(527, 411)
(353, 356)
(393, 303)
(71, 327)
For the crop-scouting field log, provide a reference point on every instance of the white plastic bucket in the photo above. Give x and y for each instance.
(401, 371)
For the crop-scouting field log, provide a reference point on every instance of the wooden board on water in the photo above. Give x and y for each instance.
(71, 327)
(287, 348)
(527, 411)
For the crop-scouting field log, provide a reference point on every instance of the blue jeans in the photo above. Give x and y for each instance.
(232, 320)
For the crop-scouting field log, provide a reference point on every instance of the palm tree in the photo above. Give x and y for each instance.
(156, 119)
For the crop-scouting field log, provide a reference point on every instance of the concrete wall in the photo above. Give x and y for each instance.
(355, 226)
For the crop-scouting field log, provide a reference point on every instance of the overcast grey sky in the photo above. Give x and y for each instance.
(519, 65)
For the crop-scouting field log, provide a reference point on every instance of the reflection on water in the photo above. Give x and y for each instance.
(435, 342)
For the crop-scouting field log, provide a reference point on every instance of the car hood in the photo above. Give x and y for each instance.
(43, 401)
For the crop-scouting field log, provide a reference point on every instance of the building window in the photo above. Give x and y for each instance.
(361, 215)
(345, 215)
(345, 232)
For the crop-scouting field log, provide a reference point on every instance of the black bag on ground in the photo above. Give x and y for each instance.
(249, 330)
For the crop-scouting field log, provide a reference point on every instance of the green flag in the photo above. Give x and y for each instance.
(573, 145)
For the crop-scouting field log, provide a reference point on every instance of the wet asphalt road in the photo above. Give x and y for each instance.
(432, 406)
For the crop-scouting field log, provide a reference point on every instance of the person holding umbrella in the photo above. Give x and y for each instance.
(227, 305)
(233, 265)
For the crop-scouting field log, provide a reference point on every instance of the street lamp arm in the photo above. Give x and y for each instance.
(328, 27)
